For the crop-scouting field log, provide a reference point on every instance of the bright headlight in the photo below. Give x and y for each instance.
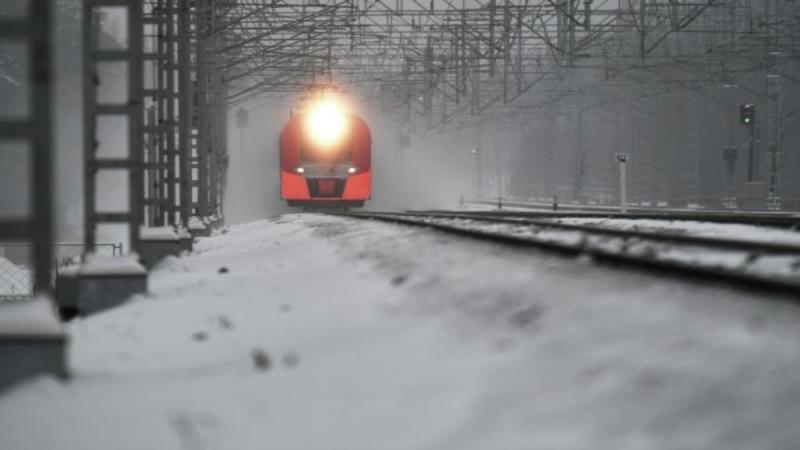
(327, 123)
(300, 170)
(351, 170)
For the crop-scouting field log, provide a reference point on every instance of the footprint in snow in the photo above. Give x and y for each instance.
(399, 279)
(200, 336)
(224, 322)
(260, 359)
(526, 317)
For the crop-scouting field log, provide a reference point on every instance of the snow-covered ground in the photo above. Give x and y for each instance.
(314, 332)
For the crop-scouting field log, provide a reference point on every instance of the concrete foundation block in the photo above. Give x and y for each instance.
(198, 228)
(100, 292)
(32, 341)
(187, 243)
(66, 294)
(156, 244)
(216, 222)
(103, 282)
(200, 232)
(185, 239)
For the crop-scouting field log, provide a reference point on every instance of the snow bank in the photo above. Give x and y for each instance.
(195, 223)
(158, 234)
(183, 233)
(96, 264)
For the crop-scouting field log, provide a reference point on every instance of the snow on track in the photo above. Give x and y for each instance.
(694, 228)
(758, 259)
(316, 332)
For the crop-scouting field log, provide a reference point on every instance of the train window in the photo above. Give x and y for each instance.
(309, 153)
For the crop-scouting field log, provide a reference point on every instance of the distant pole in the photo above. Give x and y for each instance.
(751, 154)
(729, 156)
(475, 156)
(622, 158)
(747, 117)
(242, 119)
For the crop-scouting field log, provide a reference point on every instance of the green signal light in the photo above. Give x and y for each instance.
(747, 113)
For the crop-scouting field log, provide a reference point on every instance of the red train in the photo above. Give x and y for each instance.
(326, 158)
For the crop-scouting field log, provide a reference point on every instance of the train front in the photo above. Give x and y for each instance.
(326, 157)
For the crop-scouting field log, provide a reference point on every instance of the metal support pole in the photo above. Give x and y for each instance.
(751, 153)
(622, 158)
(153, 185)
(41, 178)
(214, 130)
(135, 121)
(37, 228)
(169, 122)
(202, 107)
(185, 93)
(159, 17)
(132, 110)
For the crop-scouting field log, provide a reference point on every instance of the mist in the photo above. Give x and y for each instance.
(435, 171)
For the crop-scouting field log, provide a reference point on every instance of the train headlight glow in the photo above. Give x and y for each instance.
(327, 122)
(300, 170)
(351, 170)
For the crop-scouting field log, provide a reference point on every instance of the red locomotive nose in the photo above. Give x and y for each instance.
(332, 175)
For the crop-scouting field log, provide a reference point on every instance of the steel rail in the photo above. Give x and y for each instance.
(713, 272)
(783, 220)
(667, 237)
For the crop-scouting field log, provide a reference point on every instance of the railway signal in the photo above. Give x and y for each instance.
(747, 114)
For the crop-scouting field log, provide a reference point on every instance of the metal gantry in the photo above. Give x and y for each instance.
(175, 110)
(161, 129)
(435, 65)
(211, 108)
(451, 63)
(178, 175)
(129, 55)
(33, 32)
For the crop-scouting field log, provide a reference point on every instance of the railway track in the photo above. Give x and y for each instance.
(788, 220)
(758, 264)
(791, 222)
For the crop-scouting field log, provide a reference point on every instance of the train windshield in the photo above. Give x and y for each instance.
(310, 154)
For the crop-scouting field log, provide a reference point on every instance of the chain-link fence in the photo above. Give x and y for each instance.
(15, 280)
(16, 272)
